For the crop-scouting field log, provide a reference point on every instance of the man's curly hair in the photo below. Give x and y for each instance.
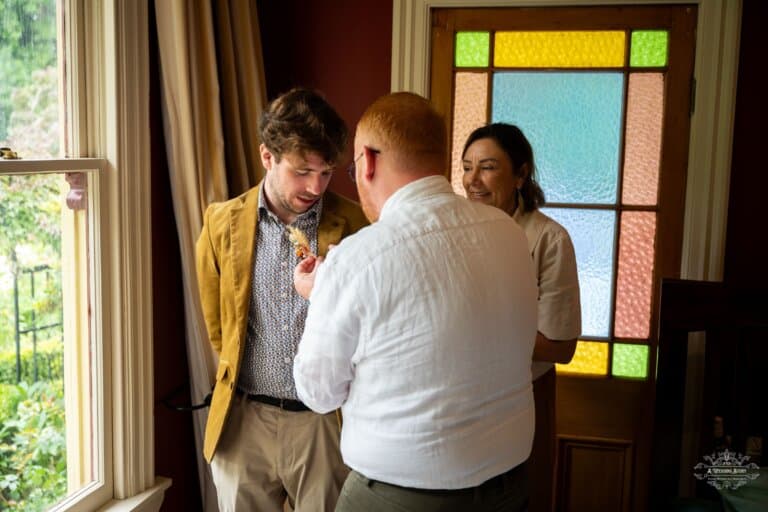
(302, 121)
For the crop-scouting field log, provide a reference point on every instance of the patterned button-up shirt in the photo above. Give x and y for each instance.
(276, 313)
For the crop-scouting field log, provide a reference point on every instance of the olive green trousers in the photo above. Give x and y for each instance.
(503, 493)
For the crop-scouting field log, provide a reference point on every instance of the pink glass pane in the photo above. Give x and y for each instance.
(645, 107)
(635, 278)
(470, 102)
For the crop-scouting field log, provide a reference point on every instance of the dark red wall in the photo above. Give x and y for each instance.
(746, 241)
(341, 48)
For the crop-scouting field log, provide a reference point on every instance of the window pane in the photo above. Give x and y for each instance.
(472, 49)
(29, 107)
(630, 360)
(649, 48)
(469, 111)
(32, 411)
(573, 121)
(592, 233)
(594, 49)
(645, 108)
(635, 279)
(590, 358)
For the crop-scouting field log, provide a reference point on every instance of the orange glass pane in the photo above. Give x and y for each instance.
(470, 101)
(635, 277)
(591, 358)
(642, 147)
(561, 49)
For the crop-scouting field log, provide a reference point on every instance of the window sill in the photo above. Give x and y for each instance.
(148, 501)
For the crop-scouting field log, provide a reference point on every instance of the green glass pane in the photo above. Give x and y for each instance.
(472, 49)
(649, 48)
(630, 360)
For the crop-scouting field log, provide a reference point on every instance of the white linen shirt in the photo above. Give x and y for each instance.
(558, 282)
(421, 326)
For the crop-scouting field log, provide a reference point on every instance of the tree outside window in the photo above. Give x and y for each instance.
(32, 438)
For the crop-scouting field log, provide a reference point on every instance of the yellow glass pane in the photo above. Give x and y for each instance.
(568, 49)
(591, 358)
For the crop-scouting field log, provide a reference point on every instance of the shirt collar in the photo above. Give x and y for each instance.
(520, 208)
(416, 190)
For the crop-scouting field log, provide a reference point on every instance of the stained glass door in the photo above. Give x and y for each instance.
(603, 95)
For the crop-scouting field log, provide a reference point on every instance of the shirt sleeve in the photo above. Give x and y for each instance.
(559, 303)
(323, 367)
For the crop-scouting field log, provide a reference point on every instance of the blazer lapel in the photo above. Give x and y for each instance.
(242, 227)
(329, 231)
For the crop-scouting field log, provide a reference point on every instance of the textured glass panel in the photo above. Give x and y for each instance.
(593, 49)
(649, 48)
(472, 49)
(592, 232)
(635, 278)
(469, 111)
(573, 121)
(642, 146)
(630, 360)
(590, 358)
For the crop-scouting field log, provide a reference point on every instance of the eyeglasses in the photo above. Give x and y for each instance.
(352, 169)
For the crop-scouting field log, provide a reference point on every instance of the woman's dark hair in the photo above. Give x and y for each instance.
(302, 121)
(511, 139)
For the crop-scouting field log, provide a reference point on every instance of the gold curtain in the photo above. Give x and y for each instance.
(213, 92)
(243, 91)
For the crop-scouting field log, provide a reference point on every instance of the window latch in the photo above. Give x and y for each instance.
(8, 154)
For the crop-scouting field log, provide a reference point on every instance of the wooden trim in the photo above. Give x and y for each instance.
(127, 201)
(442, 96)
(53, 166)
(706, 206)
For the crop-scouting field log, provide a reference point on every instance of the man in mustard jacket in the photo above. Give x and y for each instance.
(263, 444)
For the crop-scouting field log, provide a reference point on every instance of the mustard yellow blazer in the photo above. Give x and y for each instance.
(224, 254)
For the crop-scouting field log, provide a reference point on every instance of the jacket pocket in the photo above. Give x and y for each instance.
(224, 373)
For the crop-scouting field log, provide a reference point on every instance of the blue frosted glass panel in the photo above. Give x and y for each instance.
(573, 121)
(592, 232)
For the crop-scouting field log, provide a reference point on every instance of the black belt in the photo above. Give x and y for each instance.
(513, 475)
(284, 403)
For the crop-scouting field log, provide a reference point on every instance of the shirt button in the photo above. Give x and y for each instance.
(285, 327)
(284, 295)
(287, 360)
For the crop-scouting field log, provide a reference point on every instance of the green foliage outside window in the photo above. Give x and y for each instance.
(26, 45)
(33, 472)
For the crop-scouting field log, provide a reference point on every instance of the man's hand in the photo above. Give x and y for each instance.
(304, 275)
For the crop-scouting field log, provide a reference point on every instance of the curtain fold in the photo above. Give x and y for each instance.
(243, 91)
(213, 92)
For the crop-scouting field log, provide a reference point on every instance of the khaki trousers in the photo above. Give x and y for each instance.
(267, 455)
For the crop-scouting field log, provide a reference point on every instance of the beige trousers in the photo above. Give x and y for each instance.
(267, 456)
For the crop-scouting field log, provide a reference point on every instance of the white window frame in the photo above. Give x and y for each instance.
(709, 155)
(108, 63)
